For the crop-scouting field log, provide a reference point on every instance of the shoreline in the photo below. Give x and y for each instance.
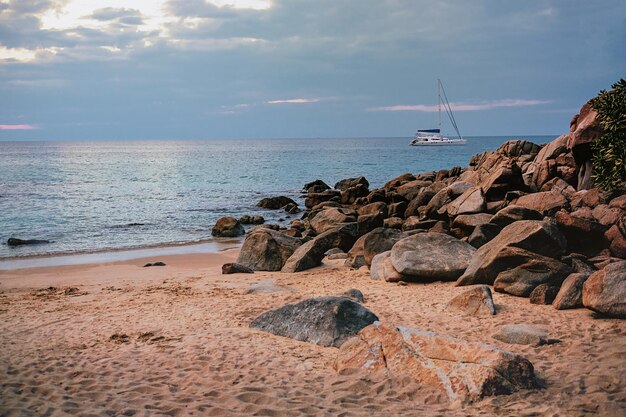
(212, 246)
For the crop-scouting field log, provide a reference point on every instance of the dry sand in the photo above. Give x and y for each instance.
(119, 339)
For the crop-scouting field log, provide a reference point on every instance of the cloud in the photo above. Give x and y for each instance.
(465, 106)
(17, 127)
(294, 101)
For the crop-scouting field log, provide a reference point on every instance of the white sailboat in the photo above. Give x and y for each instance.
(433, 137)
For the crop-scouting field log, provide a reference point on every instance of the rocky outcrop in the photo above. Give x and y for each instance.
(464, 371)
(431, 256)
(267, 250)
(228, 227)
(605, 290)
(477, 301)
(325, 321)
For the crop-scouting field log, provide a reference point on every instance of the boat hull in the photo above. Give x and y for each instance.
(440, 143)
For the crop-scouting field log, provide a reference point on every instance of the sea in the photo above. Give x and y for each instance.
(94, 196)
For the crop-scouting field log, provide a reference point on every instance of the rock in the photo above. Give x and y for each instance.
(471, 201)
(291, 208)
(330, 218)
(469, 222)
(325, 321)
(514, 213)
(257, 220)
(431, 256)
(334, 251)
(264, 287)
(393, 223)
(414, 223)
(369, 222)
(523, 150)
(618, 202)
(158, 263)
(570, 294)
(411, 189)
(374, 208)
(605, 290)
(520, 245)
(356, 259)
(477, 301)
(235, 268)
(228, 227)
(352, 194)
(318, 186)
(583, 236)
(482, 234)
(382, 269)
(13, 241)
(464, 371)
(379, 240)
(377, 196)
(310, 254)
(337, 256)
(523, 334)
(354, 295)
(351, 182)
(267, 250)
(547, 203)
(399, 180)
(616, 235)
(444, 197)
(245, 219)
(275, 203)
(543, 294)
(527, 270)
(315, 199)
(422, 199)
(397, 209)
(605, 215)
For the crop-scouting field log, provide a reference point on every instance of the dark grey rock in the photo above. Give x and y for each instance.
(19, 242)
(325, 321)
(543, 294)
(235, 268)
(275, 203)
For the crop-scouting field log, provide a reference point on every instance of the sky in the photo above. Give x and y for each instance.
(205, 69)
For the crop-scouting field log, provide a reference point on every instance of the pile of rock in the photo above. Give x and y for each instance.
(524, 218)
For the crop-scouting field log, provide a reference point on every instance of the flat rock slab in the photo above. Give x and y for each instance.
(523, 334)
(477, 301)
(325, 321)
(429, 256)
(265, 287)
(463, 370)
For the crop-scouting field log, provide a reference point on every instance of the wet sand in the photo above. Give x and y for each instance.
(119, 339)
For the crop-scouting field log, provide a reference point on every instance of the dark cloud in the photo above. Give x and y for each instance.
(126, 16)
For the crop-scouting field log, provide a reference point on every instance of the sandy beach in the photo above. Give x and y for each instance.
(119, 339)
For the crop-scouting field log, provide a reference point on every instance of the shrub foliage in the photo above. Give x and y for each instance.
(609, 151)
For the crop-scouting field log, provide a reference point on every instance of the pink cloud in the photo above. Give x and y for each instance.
(17, 127)
(295, 101)
(490, 105)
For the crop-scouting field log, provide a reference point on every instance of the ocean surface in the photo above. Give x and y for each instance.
(98, 196)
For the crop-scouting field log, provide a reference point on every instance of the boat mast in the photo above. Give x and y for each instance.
(439, 103)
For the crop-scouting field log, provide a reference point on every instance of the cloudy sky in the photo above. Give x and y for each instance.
(152, 69)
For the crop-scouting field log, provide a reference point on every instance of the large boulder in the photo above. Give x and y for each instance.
(470, 202)
(571, 293)
(482, 234)
(583, 236)
(464, 371)
(275, 203)
(267, 250)
(584, 130)
(431, 256)
(310, 254)
(545, 202)
(436, 205)
(329, 218)
(379, 240)
(325, 321)
(369, 222)
(228, 227)
(525, 248)
(605, 290)
(477, 301)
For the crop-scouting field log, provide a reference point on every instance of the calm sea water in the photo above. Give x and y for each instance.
(83, 196)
